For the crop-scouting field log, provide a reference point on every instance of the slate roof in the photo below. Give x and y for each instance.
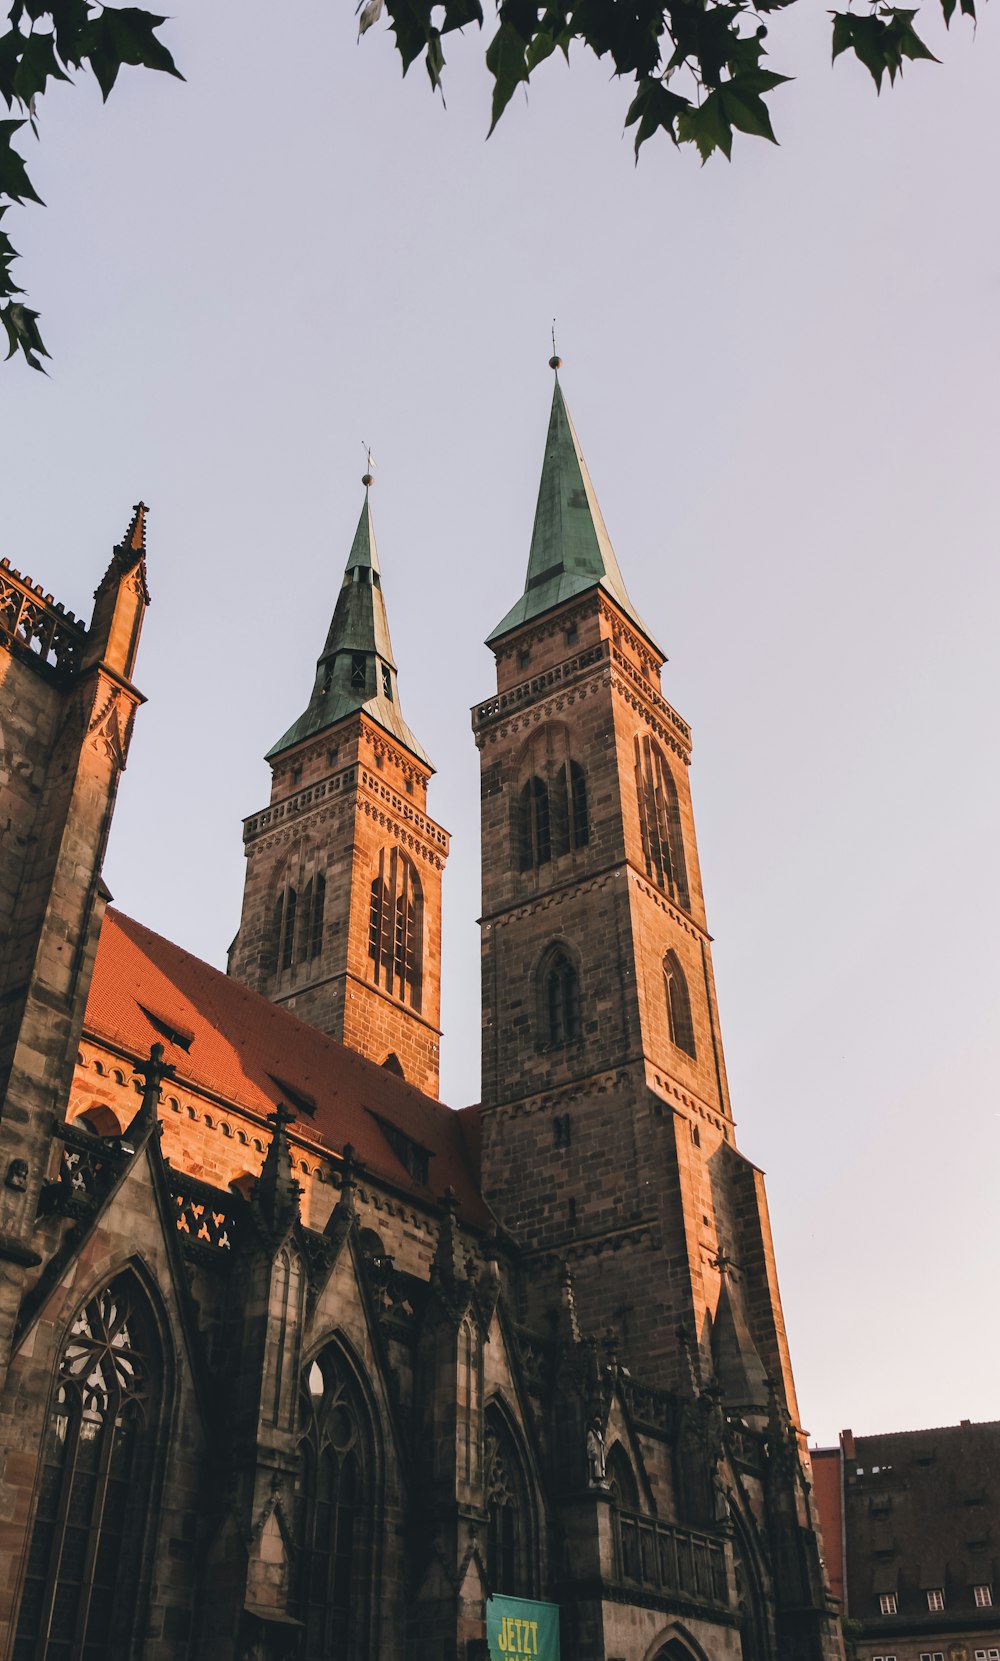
(237, 1045)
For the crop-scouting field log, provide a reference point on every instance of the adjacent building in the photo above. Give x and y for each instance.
(911, 1522)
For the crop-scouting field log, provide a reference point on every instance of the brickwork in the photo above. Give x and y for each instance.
(338, 803)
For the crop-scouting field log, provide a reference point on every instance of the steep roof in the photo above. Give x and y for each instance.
(237, 1045)
(359, 629)
(923, 1513)
(570, 547)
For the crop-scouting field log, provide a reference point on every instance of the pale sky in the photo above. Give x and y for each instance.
(784, 376)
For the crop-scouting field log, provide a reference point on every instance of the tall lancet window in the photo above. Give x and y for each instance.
(509, 1516)
(679, 1022)
(660, 815)
(396, 927)
(80, 1596)
(299, 914)
(559, 999)
(334, 1515)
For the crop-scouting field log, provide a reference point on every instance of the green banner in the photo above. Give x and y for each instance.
(516, 1626)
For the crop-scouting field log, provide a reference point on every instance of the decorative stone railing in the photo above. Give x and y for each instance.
(89, 1166)
(663, 1558)
(207, 1217)
(38, 623)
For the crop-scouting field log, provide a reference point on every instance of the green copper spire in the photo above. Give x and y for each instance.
(570, 547)
(356, 669)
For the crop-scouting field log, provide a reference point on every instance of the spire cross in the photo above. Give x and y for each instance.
(555, 362)
(370, 465)
(722, 1261)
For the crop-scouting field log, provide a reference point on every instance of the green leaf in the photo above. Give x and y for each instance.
(125, 35)
(435, 61)
(706, 126)
(743, 106)
(410, 24)
(22, 332)
(506, 59)
(457, 13)
(38, 64)
(542, 47)
(655, 106)
(14, 181)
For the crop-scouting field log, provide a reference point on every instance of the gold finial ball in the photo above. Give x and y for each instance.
(367, 480)
(555, 363)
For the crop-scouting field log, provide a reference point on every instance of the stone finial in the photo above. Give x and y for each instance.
(152, 1072)
(132, 546)
(275, 1199)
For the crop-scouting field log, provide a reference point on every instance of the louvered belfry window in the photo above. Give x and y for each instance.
(396, 926)
(81, 1583)
(660, 817)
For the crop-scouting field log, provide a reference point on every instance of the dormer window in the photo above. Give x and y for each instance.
(359, 671)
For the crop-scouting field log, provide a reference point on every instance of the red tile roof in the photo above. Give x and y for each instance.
(240, 1045)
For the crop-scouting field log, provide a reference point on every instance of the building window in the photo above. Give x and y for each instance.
(932, 1655)
(508, 1530)
(660, 821)
(386, 683)
(285, 907)
(333, 1522)
(679, 1023)
(552, 810)
(82, 1579)
(887, 1603)
(395, 927)
(935, 1598)
(983, 1596)
(988, 1655)
(560, 1000)
(536, 829)
(359, 672)
(298, 921)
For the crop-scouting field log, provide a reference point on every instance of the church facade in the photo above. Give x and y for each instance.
(295, 1361)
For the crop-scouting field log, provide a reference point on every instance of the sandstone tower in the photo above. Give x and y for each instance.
(342, 904)
(608, 1139)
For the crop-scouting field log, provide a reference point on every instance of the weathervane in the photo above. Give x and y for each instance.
(370, 465)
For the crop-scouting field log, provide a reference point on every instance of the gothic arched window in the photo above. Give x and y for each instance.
(559, 987)
(396, 927)
(509, 1532)
(82, 1579)
(536, 826)
(334, 1515)
(679, 1022)
(314, 905)
(552, 816)
(660, 816)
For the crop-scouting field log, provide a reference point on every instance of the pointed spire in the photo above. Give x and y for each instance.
(570, 547)
(133, 544)
(356, 669)
(738, 1367)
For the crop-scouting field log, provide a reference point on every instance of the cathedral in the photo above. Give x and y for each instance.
(296, 1362)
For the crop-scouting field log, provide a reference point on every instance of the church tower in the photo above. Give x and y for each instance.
(342, 902)
(608, 1138)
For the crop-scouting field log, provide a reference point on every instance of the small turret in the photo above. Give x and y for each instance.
(120, 602)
